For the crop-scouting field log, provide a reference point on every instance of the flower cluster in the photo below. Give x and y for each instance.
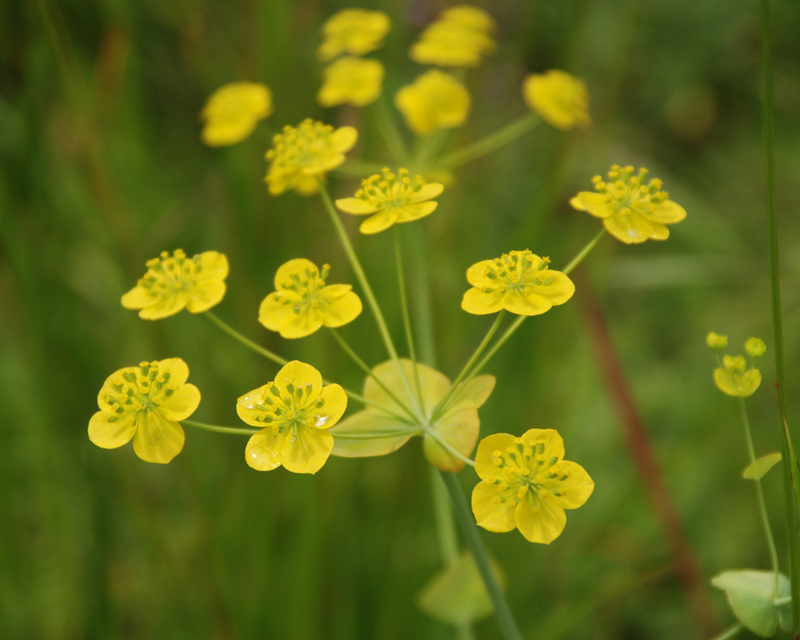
(733, 377)
(460, 37)
(435, 100)
(559, 98)
(390, 198)
(352, 81)
(354, 32)
(632, 209)
(233, 111)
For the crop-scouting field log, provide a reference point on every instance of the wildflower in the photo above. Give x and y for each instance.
(434, 100)
(519, 282)
(734, 379)
(390, 198)
(174, 282)
(716, 341)
(294, 413)
(303, 303)
(145, 403)
(459, 38)
(301, 155)
(631, 210)
(560, 98)
(353, 31)
(755, 347)
(232, 112)
(526, 484)
(351, 81)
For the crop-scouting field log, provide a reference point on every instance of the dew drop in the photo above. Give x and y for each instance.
(320, 421)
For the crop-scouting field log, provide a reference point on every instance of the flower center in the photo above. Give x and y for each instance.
(303, 289)
(290, 408)
(386, 189)
(167, 275)
(628, 193)
(139, 391)
(516, 271)
(298, 146)
(525, 468)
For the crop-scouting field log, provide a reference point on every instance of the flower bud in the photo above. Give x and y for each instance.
(716, 341)
(755, 347)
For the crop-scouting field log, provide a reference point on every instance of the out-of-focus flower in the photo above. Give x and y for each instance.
(716, 342)
(560, 98)
(232, 112)
(301, 155)
(390, 199)
(755, 347)
(351, 81)
(519, 282)
(526, 484)
(174, 282)
(353, 31)
(303, 302)
(434, 100)
(294, 413)
(460, 37)
(145, 403)
(734, 379)
(631, 210)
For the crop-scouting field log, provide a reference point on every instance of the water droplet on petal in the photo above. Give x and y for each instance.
(321, 421)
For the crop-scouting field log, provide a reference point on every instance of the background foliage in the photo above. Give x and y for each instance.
(102, 168)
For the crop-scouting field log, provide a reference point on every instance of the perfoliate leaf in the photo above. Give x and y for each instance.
(351, 437)
(459, 428)
(759, 468)
(751, 595)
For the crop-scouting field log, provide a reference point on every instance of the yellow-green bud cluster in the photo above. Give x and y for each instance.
(629, 191)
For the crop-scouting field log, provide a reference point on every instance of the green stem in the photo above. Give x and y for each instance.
(246, 341)
(469, 529)
(768, 135)
(762, 505)
(730, 632)
(583, 253)
(374, 435)
(387, 125)
(490, 143)
(211, 427)
(406, 319)
(429, 149)
(358, 168)
(364, 367)
(455, 388)
(446, 445)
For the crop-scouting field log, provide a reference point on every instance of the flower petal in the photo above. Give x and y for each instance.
(363, 423)
(344, 139)
(335, 404)
(177, 369)
(485, 465)
(111, 430)
(341, 310)
(263, 451)
(553, 443)
(213, 266)
(668, 212)
(381, 221)
(297, 267)
(204, 295)
(246, 406)
(305, 449)
(410, 212)
(165, 307)
(540, 518)
(573, 485)
(299, 374)
(490, 512)
(138, 297)
(593, 203)
(428, 191)
(181, 404)
(356, 206)
(477, 274)
(524, 304)
(479, 303)
(157, 439)
(635, 228)
(559, 290)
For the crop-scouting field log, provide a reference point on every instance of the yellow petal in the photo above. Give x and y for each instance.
(344, 139)
(737, 385)
(308, 185)
(415, 211)
(335, 404)
(558, 291)
(299, 374)
(479, 303)
(273, 313)
(363, 423)
(305, 449)
(524, 304)
(181, 404)
(573, 490)
(177, 369)
(476, 274)
(157, 439)
(634, 228)
(302, 324)
(111, 430)
(591, 202)
(381, 221)
(321, 163)
(262, 452)
(667, 212)
(427, 192)
(553, 443)
(204, 295)
(540, 518)
(459, 428)
(484, 461)
(355, 206)
(245, 406)
(341, 310)
(165, 307)
(138, 297)
(297, 267)
(490, 513)
(213, 266)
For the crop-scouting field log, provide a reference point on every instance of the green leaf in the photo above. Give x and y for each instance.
(456, 594)
(751, 596)
(459, 428)
(363, 435)
(759, 468)
(478, 390)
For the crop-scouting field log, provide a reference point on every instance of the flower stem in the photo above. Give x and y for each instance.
(762, 505)
(374, 435)
(387, 125)
(215, 428)
(730, 632)
(469, 529)
(406, 319)
(768, 135)
(245, 341)
(583, 253)
(490, 143)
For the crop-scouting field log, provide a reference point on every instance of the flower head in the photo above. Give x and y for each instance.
(519, 282)
(302, 154)
(303, 302)
(294, 413)
(351, 81)
(526, 484)
(145, 403)
(733, 378)
(631, 210)
(388, 199)
(459, 38)
(434, 100)
(233, 111)
(560, 98)
(174, 282)
(353, 31)
(716, 342)
(755, 347)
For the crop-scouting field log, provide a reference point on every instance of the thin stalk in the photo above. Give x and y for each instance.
(429, 150)
(374, 435)
(768, 135)
(216, 429)
(469, 529)
(362, 278)
(762, 505)
(245, 341)
(488, 144)
(358, 168)
(365, 368)
(446, 445)
(387, 125)
(583, 253)
(730, 632)
(401, 281)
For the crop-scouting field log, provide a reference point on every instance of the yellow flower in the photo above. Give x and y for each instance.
(294, 413)
(716, 342)
(391, 199)
(351, 81)
(434, 100)
(353, 31)
(519, 282)
(174, 282)
(526, 484)
(302, 303)
(755, 347)
(631, 210)
(302, 154)
(459, 38)
(734, 379)
(560, 98)
(233, 111)
(145, 403)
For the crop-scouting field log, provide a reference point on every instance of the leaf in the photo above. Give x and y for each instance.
(459, 428)
(361, 425)
(456, 594)
(478, 390)
(759, 468)
(750, 594)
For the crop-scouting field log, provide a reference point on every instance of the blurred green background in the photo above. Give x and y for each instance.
(102, 168)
